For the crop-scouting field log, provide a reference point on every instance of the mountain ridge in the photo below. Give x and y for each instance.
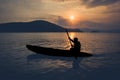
(33, 26)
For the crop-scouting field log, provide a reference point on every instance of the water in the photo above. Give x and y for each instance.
(18, 63)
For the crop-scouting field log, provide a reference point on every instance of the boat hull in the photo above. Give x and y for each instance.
(56, 52)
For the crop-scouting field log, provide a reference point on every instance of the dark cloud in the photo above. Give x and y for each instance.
(95, 3)
(61, 21)
(91, 3)
(115, 8)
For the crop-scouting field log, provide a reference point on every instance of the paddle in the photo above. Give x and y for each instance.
(68, 37)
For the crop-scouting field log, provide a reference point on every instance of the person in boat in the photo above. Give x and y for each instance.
(76, 47)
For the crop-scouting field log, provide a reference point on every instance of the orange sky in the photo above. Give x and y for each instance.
(102, 11)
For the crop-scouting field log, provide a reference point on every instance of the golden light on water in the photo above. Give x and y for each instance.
(72, 35)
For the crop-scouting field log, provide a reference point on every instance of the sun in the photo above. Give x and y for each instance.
(72, 17)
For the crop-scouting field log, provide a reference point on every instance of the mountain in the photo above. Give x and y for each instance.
(34, 26)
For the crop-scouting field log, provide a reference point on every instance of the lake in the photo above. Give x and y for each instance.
(19, 63)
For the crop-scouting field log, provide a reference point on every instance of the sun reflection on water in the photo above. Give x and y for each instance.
(72, 35)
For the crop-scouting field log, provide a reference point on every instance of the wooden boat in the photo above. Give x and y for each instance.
(56, 52)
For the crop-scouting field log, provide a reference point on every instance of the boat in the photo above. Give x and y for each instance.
(56, 52)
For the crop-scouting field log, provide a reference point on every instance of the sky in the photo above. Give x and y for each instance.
(86, 14)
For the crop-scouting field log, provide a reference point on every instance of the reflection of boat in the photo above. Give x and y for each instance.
(56, 52)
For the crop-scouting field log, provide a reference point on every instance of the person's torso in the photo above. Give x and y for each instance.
(77, 45)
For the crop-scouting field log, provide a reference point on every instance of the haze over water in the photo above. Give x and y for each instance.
(19, 63)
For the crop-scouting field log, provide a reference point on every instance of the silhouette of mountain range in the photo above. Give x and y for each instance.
(34, 26)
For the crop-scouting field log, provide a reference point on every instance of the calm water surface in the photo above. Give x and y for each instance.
(18, 63)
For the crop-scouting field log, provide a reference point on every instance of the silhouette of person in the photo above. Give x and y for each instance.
(77, 45)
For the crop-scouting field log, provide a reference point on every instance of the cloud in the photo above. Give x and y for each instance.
(91, 3)
(63, 0)
(62, 22)
(19, 9)
(113, 8)
(90, 25)
(96, 3)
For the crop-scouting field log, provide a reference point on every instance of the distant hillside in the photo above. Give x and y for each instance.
(34, 26)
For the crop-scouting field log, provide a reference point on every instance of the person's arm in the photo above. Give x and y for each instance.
(70, 39)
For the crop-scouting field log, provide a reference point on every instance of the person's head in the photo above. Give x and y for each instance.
(75, 39)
